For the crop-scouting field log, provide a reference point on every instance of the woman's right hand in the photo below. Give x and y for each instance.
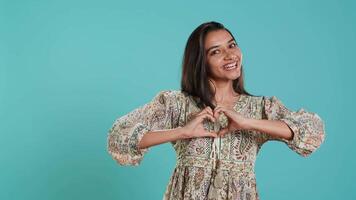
(194, 128)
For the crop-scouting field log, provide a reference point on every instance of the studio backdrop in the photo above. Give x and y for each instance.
(69, 69)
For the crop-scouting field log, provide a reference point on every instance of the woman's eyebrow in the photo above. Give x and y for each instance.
(232, 39)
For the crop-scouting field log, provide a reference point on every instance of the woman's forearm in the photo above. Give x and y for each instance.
(161, 136)
(275, 128)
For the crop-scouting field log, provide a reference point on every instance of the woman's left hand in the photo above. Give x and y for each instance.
(236, 120)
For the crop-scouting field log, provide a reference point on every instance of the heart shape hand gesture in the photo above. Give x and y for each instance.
(228, 118)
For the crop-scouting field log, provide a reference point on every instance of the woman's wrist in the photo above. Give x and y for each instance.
(180, 133)
(247, 124)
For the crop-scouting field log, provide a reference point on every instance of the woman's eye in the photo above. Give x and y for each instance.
(215, 52)
(233, 45)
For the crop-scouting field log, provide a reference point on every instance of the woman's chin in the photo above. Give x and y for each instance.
(233, 76)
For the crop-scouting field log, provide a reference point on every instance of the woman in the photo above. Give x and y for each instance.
(215, 126)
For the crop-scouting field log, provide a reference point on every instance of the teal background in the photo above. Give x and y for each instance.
(68, 69)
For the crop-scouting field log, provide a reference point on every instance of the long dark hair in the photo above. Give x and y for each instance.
(195, 69)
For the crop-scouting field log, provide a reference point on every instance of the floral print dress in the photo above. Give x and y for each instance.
(211, 168)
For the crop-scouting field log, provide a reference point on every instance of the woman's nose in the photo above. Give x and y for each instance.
(230, 55)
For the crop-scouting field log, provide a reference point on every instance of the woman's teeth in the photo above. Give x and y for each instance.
(230, 66)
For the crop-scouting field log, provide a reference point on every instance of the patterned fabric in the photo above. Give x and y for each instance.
(211, 168)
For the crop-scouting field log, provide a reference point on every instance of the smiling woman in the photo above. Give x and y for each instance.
(215, 54)
(216, 127)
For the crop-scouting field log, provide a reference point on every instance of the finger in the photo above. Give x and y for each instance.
(218, 111)
(195, 114)
(226, 111)
(210, 134)
(213, 134)
(202, 112)
(210, 110)
(222, 132)
(205, 110)
(206, 116)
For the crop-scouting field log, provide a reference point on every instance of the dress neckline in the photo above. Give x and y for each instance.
(237, 105)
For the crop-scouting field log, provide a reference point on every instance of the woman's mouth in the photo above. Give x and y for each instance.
(230, 66)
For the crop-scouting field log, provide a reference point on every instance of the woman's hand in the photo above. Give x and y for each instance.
(194, 128)
(236, 121)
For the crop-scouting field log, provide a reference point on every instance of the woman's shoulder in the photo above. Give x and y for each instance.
(253, 98)
(170, 92)
(259, 101)
(172, 95)
(265, 101)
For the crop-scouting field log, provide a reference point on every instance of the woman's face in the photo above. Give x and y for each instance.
(223, 55)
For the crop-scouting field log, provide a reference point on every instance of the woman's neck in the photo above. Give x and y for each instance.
(224, 92)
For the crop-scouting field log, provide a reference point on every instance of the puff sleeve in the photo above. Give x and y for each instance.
(128, 130)
(307, 127)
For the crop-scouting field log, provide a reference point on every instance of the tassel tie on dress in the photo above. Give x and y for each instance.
(217, 176)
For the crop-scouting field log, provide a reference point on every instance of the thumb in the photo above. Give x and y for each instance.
(211, 134)
(223, 131)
